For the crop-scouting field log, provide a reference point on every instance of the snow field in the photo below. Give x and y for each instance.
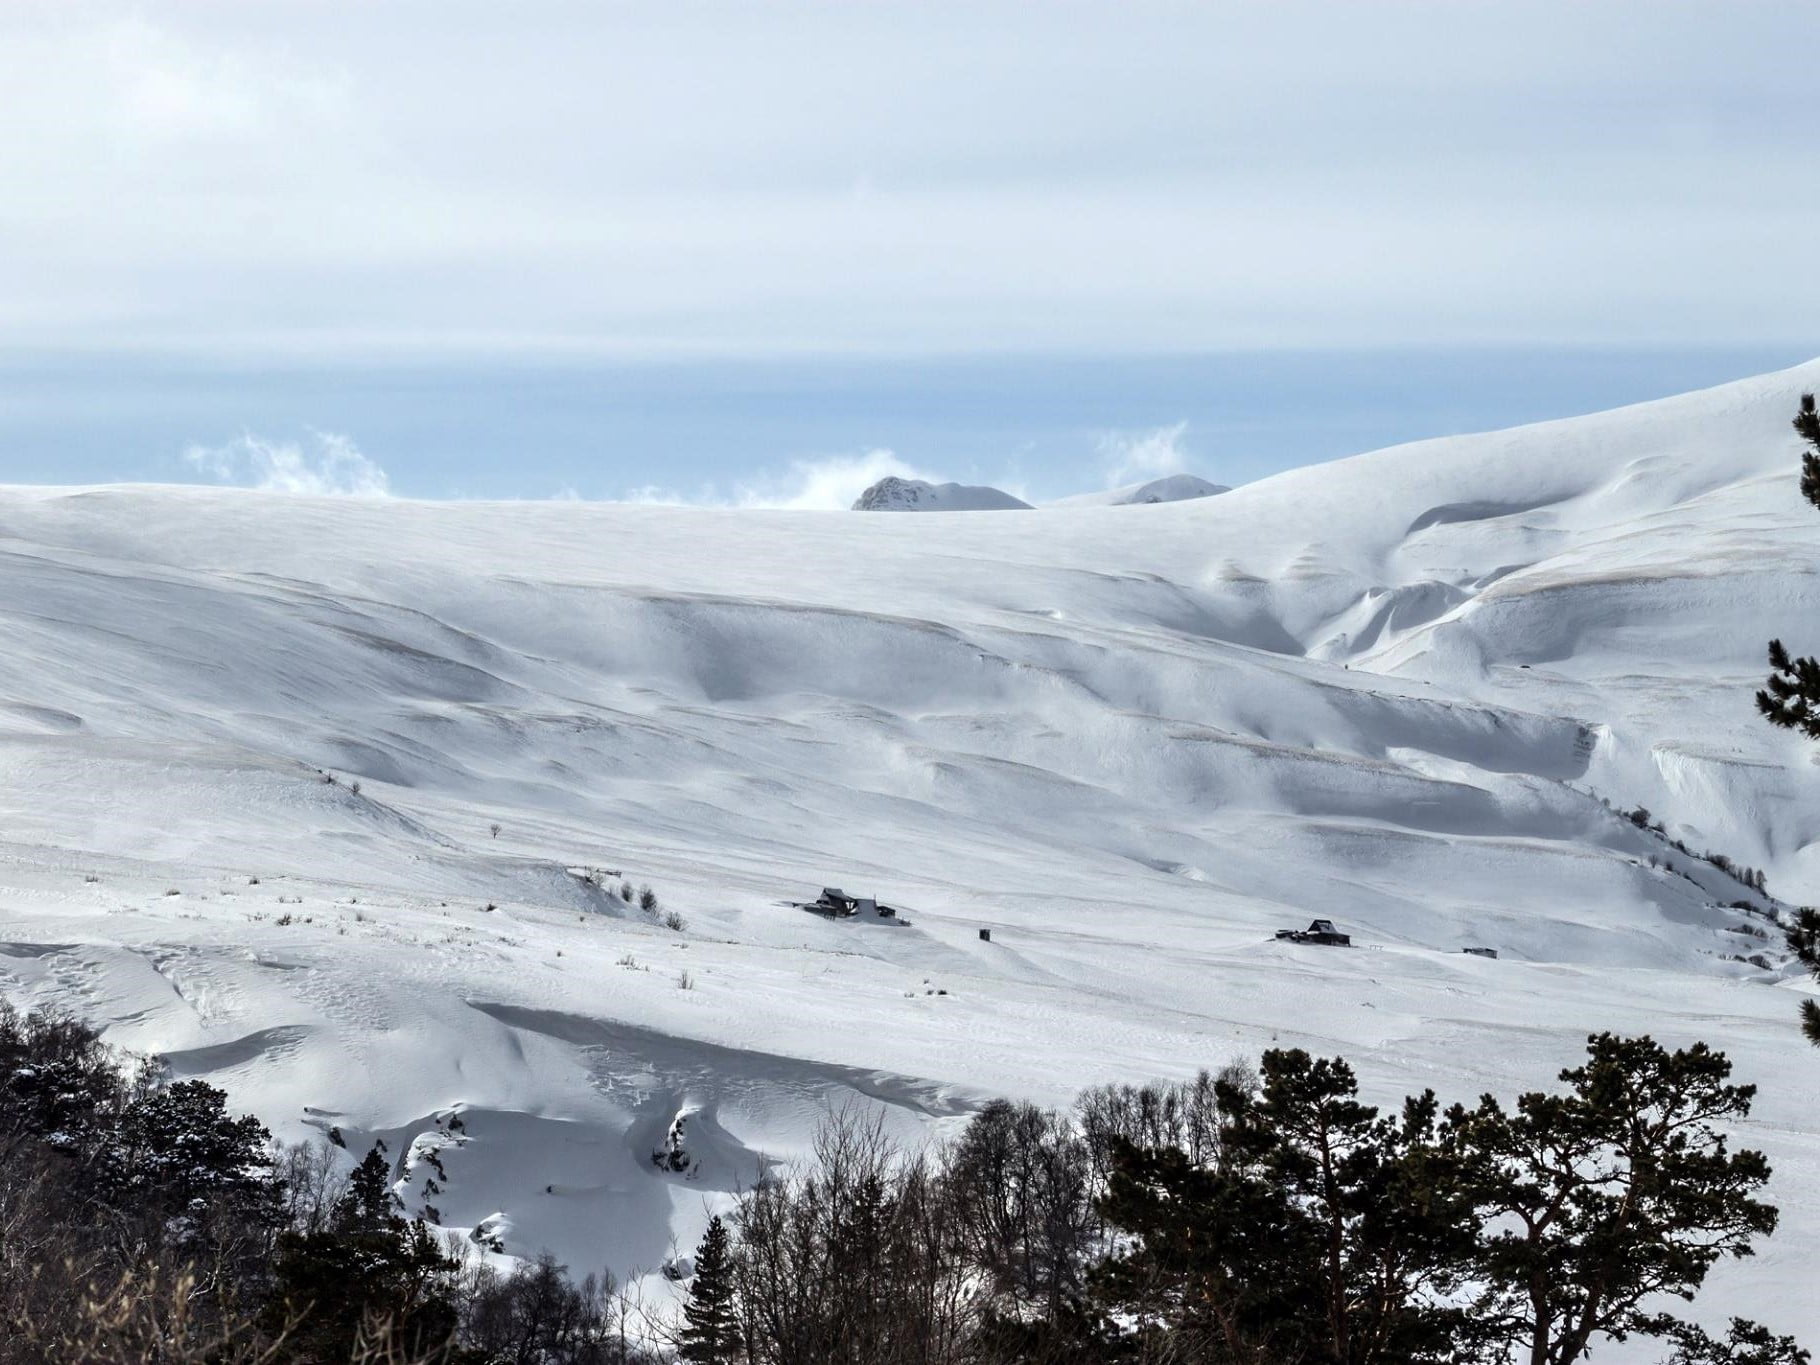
(1396, 691)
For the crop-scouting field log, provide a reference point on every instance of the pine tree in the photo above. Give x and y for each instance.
(1807, 426)
(1791, 699)
(1614, 1196)
(1747, 1343)
(370, 1281)
(1323, 1231)
(1804, 943)
(177, 1154)
(710, 1335)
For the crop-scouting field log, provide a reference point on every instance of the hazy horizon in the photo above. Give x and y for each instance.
(806, 432)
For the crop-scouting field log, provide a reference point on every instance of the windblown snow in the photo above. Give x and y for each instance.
(1168, 488)
(1397, 691)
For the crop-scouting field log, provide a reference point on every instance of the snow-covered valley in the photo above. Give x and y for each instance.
(1412, 692)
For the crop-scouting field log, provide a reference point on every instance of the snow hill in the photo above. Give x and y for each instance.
(892, 494)
(1408, 691)
(1169, 488)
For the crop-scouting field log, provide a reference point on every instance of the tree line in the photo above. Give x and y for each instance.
(143, 1223)
(1265, 1217)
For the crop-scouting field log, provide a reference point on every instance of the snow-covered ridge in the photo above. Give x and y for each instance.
(894, 494)
(1394, 691)
(1168, 488)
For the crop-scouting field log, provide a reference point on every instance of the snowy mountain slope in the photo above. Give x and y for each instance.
(893, 494)
(1393, 691)
(1169, 488)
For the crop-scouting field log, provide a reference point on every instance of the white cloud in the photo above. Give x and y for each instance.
(657, 495)
(310, 177)
(1137, 456)
(828, 484)
(332, 465)
(164, 86)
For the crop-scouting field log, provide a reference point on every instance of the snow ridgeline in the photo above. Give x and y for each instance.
(1396, 691)
(895, 494)
(1168, 488)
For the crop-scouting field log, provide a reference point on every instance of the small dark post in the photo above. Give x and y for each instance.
(985, 936)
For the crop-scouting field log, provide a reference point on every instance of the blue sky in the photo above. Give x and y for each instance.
(793, 431)
(748, 252)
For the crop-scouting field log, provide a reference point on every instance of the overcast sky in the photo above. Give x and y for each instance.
(260, 184)
(757, 177)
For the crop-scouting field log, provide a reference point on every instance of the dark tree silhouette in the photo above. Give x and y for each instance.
(368, 1281)
(710, 1334)
(1321, 1231)
(1804, 942)
(1791, 699)
(1254, 1218)
(1603, 1200)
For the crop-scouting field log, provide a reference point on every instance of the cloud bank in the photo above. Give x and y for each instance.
(1138, 456)
(824, 484)
(329, 465)
(311, 178)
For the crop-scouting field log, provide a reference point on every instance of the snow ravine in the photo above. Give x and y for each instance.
(1131, 741)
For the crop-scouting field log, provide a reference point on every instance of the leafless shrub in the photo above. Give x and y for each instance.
(847, 1261)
